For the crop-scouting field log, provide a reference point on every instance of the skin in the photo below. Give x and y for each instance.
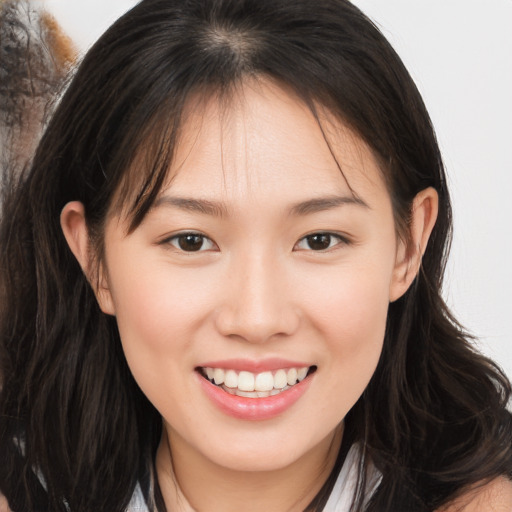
(256, 289)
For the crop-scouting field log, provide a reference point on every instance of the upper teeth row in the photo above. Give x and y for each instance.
(247, 381)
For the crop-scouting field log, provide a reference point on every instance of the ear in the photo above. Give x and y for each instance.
(409, 254)
(74, 227)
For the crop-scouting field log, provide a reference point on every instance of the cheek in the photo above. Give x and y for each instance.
(351, 301)
(156, 316)
(161, 312)
(153, 305)
(351, 313)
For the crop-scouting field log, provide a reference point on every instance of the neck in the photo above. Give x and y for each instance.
(191, 483)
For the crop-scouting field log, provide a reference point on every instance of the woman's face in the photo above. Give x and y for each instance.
(256, 265)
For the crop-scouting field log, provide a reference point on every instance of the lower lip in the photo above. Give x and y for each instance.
(254, 409)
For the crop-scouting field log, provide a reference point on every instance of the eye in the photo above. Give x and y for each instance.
(320, 242)
(190, 242)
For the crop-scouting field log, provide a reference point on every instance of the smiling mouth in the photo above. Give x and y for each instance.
(255, 385)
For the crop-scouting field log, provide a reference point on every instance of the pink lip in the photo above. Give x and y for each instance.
(254, 409)
(266, 365)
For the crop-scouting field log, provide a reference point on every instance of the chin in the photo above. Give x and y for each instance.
(264, 454)
(255, 461)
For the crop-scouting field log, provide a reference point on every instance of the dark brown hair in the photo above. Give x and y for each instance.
(433, 419)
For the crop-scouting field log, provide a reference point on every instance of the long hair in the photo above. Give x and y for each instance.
(76, 432)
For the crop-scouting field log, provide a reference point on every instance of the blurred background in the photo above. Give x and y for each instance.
(460, 54)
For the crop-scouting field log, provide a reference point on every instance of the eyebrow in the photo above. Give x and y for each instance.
(193, 205)
(326, 203)
(217, 209)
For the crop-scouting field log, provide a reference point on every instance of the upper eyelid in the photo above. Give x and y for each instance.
(184, 232)
(340, 236)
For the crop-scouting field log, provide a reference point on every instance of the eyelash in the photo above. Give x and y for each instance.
(176, 241)
(331, 237)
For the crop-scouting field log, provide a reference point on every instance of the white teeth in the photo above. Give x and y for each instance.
(231, 379)
(264, 381)
(255, 385)
(247, 394)
(291, 377)
(218, 376)
(245, 381)
(301, 373)
(280, 379)
(253, 394)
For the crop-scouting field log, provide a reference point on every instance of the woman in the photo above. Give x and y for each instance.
(221, 280)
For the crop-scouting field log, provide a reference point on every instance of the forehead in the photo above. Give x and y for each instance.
(265, 141)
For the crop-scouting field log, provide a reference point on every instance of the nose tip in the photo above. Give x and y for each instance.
(258, 307)
(234, 324)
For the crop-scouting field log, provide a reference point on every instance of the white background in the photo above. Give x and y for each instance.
(460, 54)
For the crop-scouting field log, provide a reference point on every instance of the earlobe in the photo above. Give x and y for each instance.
(74, 228)
(409, 255)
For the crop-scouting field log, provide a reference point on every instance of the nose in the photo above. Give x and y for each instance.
(258, 303)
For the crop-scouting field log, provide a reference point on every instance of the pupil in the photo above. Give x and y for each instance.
(190, 242)
(319, 242)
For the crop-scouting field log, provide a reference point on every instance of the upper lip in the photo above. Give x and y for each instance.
(255, 366)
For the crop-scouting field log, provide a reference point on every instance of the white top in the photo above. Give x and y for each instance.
(345, 486)
(339, 501)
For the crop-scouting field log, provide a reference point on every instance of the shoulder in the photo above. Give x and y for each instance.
(495, 496)
(4, 507)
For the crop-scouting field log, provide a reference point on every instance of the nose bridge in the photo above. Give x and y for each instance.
(258, 304)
